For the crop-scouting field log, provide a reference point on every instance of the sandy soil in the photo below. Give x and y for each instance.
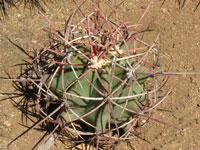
(180, 30)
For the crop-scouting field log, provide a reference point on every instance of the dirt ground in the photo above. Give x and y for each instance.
(179, 30)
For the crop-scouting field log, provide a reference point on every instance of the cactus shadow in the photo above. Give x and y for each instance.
(24, 98)
(5, 5)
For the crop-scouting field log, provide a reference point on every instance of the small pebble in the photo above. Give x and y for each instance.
(19, 15)
(7, 123)
(144, 121)
(164, 10)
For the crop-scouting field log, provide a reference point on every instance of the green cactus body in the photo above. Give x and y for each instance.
(98, 118)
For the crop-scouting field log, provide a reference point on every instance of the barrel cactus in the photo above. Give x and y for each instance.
(95, 78)
(96, 88)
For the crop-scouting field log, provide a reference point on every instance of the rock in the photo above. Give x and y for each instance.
(48, 144)
(7, 123)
